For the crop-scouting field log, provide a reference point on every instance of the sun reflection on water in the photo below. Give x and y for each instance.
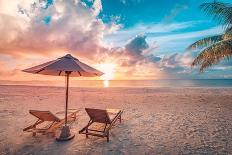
(106, 83)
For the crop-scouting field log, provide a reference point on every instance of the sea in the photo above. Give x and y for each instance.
(155, 83)
(161, 83)
(132, 83)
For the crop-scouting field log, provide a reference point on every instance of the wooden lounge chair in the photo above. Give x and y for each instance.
(47, 122)
(107, 117)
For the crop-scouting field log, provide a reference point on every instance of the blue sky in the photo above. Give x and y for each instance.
(154, 19)
(133, 12)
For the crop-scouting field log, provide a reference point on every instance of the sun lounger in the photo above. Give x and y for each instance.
(107, 117)
(47, 122)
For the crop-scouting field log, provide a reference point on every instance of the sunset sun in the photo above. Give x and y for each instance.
(109, 72)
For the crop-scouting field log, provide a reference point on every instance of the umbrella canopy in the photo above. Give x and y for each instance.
(61, 66)
(65, 66)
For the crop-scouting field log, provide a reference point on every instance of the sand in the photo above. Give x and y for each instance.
(155, 120)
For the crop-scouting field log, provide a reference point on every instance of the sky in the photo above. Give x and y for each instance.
(127, 39)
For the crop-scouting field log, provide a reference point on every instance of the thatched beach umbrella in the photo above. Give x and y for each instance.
(65, 66)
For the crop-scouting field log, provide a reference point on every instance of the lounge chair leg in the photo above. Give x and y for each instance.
(120, 119)
(86, 134)
(108, 137)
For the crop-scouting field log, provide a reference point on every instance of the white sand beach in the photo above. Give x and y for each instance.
(155, 120)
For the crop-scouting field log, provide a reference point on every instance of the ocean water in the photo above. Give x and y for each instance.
(130, 83)
(156, 83)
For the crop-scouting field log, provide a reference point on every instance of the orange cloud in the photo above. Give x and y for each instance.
(74, 28)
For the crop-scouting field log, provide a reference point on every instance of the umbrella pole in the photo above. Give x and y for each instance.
(66, 103)
(65, 131)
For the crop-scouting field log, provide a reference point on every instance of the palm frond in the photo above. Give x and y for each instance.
(213, 54)
(228, 29)
(221, 12)
(205, 42)
(228, 33)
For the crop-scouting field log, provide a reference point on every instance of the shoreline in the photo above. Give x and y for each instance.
(121, 87)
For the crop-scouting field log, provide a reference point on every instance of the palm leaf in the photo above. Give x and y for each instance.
(205, 42)
(213, 54)
(229, 29)
(221, 12)
(228, 33)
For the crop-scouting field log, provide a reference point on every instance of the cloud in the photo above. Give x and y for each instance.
(174, 12)
(127, 2)
(162, 46)
(189, 35)
(72, 26)
(120, 36)
(168, 37)
(136, 50)
(137, 45)
(97, 7)
(170, 61)
(179, 41)
(135, 60)
(178, 65)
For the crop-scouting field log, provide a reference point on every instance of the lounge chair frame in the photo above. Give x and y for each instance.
(109, 123)
(53, 122)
